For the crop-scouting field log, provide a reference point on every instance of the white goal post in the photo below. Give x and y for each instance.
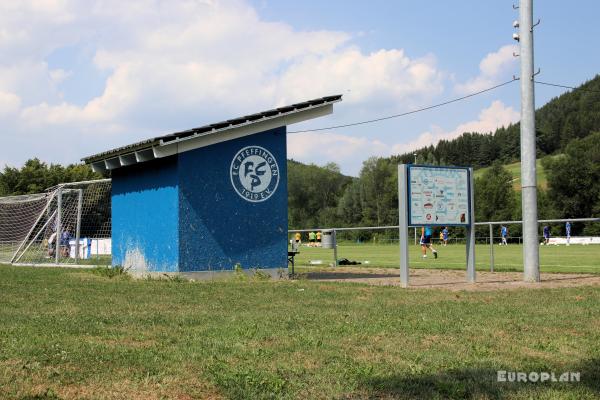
(65, 225)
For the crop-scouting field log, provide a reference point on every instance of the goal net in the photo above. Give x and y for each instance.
(67, 224)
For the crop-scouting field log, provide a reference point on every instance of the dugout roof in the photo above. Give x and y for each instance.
(178, 142)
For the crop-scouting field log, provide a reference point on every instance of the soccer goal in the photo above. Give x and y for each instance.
(68, 224)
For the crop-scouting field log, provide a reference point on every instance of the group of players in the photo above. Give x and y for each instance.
(314, 239)
(545, 233)
(426, 242)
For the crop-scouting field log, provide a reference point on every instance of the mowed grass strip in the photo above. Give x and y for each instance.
(515, 170)
(575, 258)
(75, 334)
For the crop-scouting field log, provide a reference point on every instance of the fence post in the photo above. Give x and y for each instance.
(334, 248)
(491, 249)
(58, 225)
(78, 228)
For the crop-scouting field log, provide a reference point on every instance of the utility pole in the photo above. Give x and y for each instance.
(531, 255)
(415, 228)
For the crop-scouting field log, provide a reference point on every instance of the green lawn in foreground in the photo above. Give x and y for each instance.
(75, 334)
(575, 258)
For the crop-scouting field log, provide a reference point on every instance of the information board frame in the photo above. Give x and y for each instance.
(403, 214)
(409, 199)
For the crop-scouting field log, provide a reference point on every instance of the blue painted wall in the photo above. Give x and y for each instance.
(183, 213)
(145, 216)
(218, 228)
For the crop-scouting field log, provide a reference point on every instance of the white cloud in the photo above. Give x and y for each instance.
(323, 147)
(491, 118)
(379, 77)
(9, 103)
(350, 152)
(493, 68)
(169, 65)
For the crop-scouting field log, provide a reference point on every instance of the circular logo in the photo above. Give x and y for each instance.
(254, 173)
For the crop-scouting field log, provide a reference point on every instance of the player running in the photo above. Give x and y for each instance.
(504, 234)
(426, 242)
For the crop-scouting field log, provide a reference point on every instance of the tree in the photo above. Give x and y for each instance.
(379, 191)
(349, 209)
(314, 193)
(572, 115)
(36, 176)
(494, 195)
(574, 178)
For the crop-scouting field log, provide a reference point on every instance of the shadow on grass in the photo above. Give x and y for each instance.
(478, 383)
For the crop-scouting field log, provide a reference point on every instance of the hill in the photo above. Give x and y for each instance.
(572, 115)
(314, 193)
(515, 171)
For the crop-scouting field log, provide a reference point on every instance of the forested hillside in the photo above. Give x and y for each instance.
(568, 129)
(314, 193)
(573, 115)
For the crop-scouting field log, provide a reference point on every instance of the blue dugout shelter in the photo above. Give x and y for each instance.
(205, 199)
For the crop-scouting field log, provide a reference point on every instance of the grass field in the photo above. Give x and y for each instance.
(79, 334)
(506, 258)
(40, 256)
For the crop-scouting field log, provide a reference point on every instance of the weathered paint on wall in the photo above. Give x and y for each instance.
(218, 227)
(145, 215)
(182, 213)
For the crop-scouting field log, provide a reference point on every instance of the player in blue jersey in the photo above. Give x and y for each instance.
(445, 235)
(426, 241)
(504, 234)
(546, 234)
(568, 229)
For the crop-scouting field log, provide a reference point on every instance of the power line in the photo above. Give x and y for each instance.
(440, 105)
(567, 87)
(409, 112)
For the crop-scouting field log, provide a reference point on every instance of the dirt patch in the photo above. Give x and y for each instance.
(453, 280)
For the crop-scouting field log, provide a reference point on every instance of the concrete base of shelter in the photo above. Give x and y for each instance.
(272, 273)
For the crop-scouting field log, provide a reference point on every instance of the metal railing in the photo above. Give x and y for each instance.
(489, 239)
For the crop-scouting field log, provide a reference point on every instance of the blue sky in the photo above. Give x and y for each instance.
(80, 77)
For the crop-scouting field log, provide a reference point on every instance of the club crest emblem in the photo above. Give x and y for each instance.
(254, 174)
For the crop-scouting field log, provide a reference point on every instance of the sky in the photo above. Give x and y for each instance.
(80, 77)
